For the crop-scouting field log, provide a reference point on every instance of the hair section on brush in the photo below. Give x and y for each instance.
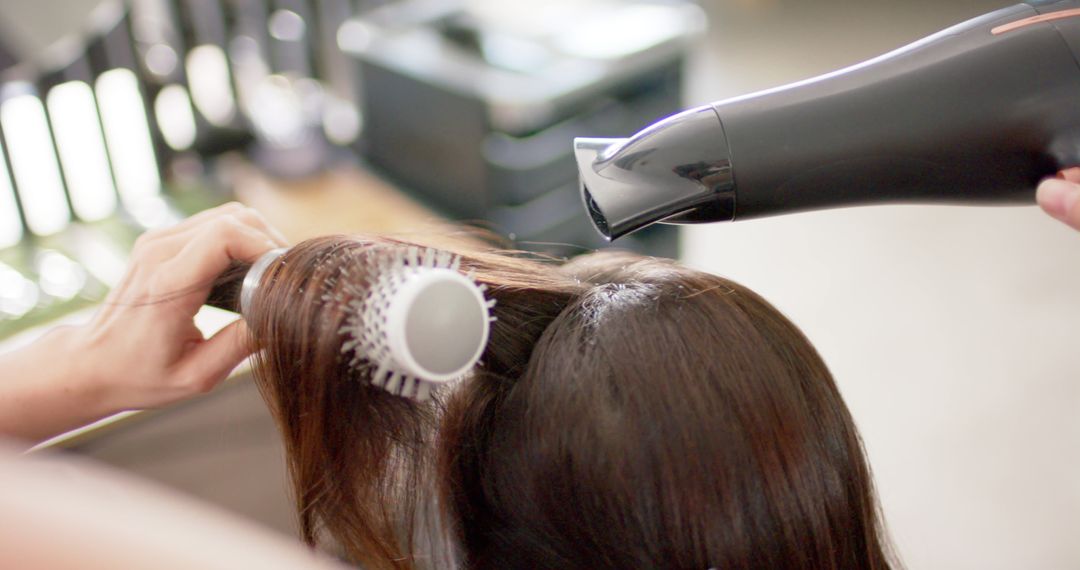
(359, 457)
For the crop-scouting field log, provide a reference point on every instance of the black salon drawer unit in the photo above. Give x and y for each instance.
(475, 111)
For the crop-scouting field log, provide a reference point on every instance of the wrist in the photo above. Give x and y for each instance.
(48, 389)
(76, 372)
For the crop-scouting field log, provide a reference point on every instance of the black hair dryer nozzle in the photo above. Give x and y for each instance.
(976, 114)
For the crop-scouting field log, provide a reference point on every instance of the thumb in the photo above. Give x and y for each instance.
(1070, 174)
(1060, 199)
(211, 361)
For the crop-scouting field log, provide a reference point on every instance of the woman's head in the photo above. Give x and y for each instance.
(628, 412)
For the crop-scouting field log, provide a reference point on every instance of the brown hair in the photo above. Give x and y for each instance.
(628, 412)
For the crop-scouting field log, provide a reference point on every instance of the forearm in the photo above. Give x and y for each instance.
(43, 391)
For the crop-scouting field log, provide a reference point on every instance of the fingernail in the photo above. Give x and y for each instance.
(1058, 197)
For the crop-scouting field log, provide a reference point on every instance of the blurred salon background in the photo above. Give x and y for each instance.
(952, 332)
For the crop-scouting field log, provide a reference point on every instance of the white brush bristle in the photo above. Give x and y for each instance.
(373, 328)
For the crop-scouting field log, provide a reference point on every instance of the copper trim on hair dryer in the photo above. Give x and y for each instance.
(1019, 24)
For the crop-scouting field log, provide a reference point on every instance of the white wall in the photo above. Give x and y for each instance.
(954, 333)
(27, 26)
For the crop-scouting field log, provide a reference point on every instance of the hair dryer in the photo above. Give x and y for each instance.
(977, 113)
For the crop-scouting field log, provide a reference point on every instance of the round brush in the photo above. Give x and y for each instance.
(413, 319)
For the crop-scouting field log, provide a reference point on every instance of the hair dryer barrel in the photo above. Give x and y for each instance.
(978, 113)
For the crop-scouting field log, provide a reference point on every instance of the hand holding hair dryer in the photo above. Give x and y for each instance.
(975, 114)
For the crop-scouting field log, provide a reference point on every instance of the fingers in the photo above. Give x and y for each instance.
(1060, 198)
(211, 361)
(246, 214)
(162, 244)
(1070, 174)
(208, 253)
(149, 351)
